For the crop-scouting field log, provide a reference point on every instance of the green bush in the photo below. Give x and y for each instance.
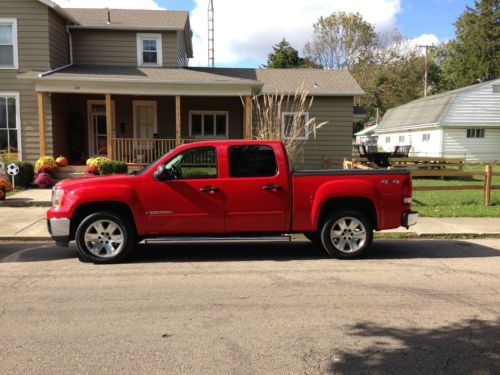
(112, 167)
(26, 172)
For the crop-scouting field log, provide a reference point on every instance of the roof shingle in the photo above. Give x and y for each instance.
(317, 82)
(129, 18)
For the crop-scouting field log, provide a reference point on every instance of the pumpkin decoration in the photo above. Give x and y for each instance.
(5, 186)
(61, 161)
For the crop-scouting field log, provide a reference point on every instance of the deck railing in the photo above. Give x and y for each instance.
(142, 150)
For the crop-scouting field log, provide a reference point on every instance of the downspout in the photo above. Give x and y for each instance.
(70, 43)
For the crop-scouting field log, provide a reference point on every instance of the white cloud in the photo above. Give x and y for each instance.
(248, 29)
(117, 4)
(424, 40)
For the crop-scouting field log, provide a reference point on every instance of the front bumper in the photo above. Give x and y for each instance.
(59, 229)
(410, 218)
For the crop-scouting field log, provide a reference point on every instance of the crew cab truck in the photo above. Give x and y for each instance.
(228, 189)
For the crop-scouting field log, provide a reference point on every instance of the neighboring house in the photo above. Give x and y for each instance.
(367, 136)
(85, 82)
(463, 122)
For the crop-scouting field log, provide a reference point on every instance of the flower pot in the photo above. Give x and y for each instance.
(3, 194)
(43, 186)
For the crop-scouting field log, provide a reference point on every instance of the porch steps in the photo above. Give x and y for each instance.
(71, 171)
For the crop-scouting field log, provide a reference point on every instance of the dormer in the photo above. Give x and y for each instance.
(132, 38)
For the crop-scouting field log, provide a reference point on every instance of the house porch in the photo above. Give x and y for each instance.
(137, 129)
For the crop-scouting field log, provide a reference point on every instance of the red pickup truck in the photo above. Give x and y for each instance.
(216, 190)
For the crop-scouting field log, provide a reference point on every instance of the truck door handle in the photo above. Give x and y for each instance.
(209, 189)
(272, 187)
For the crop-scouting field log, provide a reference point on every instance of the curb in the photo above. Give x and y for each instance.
(25, 239)
(378, 236)
(437, 236)
(23, 204)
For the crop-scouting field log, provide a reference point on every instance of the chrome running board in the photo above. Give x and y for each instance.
(207, 239)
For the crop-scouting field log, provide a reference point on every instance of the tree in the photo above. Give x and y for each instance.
(285, 56)
(474, 55)
(340, 40)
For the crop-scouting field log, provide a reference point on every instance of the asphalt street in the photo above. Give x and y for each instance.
(411, 307)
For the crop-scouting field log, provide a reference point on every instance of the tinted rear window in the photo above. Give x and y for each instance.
(252, 161)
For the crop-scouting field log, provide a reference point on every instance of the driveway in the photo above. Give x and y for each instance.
(412, 307)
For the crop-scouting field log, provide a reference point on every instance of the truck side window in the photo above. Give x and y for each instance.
(252, 161)
(200, 162)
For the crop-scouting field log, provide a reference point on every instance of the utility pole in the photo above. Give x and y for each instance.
(426, 67)
(211, 35)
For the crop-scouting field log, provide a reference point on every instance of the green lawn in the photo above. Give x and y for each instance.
(457, 203)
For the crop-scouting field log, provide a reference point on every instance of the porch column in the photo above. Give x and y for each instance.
(177, 120)
(41, 122)
(109, 126)
(247, 117)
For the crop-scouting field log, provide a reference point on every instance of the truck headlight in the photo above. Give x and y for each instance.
(57, 196)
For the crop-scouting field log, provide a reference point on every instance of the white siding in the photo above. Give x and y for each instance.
(479, 106)
(475, 149)
(432, 147)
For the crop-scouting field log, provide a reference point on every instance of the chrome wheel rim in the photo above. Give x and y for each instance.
(104, 238)
(348, 235)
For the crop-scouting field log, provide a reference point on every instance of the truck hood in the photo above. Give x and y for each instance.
(79, 182)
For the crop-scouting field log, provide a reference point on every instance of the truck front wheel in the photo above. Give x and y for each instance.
(104, 237)
(346, 234)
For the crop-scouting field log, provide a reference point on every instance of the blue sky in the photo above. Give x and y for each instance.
(245, 31)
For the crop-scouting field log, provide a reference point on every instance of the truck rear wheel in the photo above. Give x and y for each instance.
(346, 234)
(104, 237)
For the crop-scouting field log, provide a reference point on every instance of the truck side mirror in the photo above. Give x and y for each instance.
(163, 173)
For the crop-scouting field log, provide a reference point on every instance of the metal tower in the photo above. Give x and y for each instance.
(211, 33)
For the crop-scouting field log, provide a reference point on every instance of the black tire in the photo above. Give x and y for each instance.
(313, 237)
(106, 246)
(350, 242)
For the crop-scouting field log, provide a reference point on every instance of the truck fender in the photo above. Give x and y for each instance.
(344, 188)
(118, 193)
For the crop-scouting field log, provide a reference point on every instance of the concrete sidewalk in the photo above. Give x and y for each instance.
(28, 198)
(28, 224)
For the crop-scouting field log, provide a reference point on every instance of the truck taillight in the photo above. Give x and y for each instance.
(407, 191)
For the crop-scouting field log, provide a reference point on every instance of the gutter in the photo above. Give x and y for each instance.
(70, 45)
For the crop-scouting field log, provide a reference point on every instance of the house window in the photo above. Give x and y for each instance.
(401, 138)
(9, 127)
(149, 50)
(426, 137)
(8, 44)
(208, 124)
(475, 133)
(295, 125)
(388, 139)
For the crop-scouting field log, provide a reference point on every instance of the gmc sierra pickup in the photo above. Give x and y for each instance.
(238, 189)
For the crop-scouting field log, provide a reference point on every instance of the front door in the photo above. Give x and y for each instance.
(192, 202)
(98, 138)
(257, 195)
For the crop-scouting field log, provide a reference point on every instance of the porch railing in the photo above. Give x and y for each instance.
(141, 150)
